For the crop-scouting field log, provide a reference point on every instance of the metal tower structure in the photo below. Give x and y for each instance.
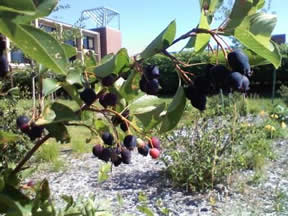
(100, 16)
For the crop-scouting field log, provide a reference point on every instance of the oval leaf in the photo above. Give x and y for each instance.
(50, 86)
(202, 40)
(161, 42)
(113, 64)
(37, 44)
(175, 111)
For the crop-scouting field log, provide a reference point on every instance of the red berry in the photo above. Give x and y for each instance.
(154, 153)
(155, 142)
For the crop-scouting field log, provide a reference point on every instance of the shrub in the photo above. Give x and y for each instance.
(202, 156)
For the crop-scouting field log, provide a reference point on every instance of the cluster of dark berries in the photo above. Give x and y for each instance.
(30, 129)
(89, 96)
(149, 81)
(219, 77)
(4, 67)
(152, 147)
(122, 154)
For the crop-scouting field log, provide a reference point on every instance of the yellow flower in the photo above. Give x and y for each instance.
(268, 127)
(283, 125)
(272, 128)
(262, 113)
(275, 116)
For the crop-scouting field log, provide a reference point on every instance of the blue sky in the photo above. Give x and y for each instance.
(142, 21)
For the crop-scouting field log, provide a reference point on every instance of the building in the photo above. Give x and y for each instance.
(279, 38)
(99, 41)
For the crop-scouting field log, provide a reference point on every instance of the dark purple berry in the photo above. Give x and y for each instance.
(143, 84)
(88, 96)
(203, 84)
(152, 87)
(218, 76)
(124, 126)
(245, 84)
(130, 142)
(110, 99)
(35, 132)
(116, 120)
(97, 150)
(239, 61)
(109, 80)
(143, 150)
(106, 154)
(198, 100)
(107, 138)
(126, 156)
(115, 157)
(151, 72)
(22, 122)
(102, 101)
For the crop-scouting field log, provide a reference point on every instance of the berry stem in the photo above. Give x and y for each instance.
(29, 154)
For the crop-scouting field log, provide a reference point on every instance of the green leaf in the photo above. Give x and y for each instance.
(89, 60)
(74, 76)
(161, 42)
(59, 132)
(37, 44)
(42, 9)
(50, 86)
(144, 103)
(69, 50)
(258, 4)
(151, 118)
(44, 190)
(113, 65)
(190, 43)
(101, 125)
(103, 173)
(214, 5)
(7, 137)
(56, 113)
(144, 209)
(241, 9)
(126, 89)
(202, 40)
(20, 7)
(271, 53)
(72, 92)
(175, 111)
(262, 25)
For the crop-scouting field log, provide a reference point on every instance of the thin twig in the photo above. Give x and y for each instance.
(30, 153)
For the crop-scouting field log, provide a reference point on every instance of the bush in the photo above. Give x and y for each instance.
(283, 91)
(13, 152)
(200, 157)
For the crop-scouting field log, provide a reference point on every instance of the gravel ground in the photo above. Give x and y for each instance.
(144, 175)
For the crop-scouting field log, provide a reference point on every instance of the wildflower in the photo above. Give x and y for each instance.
(275, 116)
(283, 125)
(268, 127)
(262, 113)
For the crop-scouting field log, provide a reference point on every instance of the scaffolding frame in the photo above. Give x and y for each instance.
(101, 16)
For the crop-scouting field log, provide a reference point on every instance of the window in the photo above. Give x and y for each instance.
(88, 43)
(70, 42)
(47, 28)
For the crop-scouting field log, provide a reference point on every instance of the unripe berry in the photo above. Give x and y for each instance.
(154, 153)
